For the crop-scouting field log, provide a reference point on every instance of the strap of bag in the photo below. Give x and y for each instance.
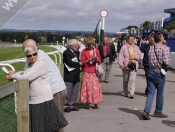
(156, 56)
(95, 51)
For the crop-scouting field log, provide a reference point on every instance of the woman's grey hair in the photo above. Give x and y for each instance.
(72, 42)
(30, 48)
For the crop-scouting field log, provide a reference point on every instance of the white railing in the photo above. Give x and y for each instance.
(15, 95)
(10, 45)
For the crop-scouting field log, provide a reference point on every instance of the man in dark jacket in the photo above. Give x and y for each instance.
(108, 55)
(71, 74)
(145, 49)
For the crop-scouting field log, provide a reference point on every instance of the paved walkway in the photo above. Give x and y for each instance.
(121, 114)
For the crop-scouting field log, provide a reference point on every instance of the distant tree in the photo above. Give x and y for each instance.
(171, 25)
(146, 25)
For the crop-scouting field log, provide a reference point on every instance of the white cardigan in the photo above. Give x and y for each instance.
(39, 86)
(55, 79)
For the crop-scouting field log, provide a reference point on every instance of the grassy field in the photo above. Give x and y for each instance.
(14, 53)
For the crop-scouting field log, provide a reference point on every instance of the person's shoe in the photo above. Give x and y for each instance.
(145, 116)
(160, 115)
(74, 109)
(88, 107)
(67, 109)
(95, 106)
(100, 80)
(131, 97)
(106, 81)
(125, 95)
(146, 92)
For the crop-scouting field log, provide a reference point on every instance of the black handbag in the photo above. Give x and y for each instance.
(132, 65)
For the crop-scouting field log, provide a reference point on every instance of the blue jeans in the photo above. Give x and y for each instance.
(156, 81)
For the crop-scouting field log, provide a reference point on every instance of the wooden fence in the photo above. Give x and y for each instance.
(22, 89)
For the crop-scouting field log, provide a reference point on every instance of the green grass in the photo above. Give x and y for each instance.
(17, 52)
(14, 53)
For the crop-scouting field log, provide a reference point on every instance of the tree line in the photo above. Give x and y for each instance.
(38, 37)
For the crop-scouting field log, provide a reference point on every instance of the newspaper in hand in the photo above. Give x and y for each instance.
(5, 70)
(75, 59)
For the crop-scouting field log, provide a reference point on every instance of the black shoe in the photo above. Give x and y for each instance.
(146, 93)
(160, 115)
(106, 81)
(131, 97)
(74, 109)
(67, 109)
(145, 116)
(95, 106)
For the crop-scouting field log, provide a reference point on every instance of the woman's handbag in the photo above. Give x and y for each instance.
(132, 66)
(99, 69)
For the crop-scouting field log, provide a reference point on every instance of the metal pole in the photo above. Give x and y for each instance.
(103, 23)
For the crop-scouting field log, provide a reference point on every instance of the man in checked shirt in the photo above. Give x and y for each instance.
(156, 80)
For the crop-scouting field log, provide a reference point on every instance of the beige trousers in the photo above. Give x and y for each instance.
(59, 99)
(107, 68)
(129, 76)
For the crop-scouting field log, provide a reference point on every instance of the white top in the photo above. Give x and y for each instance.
(55, 78)
(39, 86)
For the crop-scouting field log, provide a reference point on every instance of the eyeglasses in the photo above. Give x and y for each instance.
(28, 56)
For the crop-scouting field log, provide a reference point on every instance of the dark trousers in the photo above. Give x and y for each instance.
(72, 93)
(146, 76)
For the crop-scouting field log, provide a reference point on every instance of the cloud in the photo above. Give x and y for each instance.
(83, 15)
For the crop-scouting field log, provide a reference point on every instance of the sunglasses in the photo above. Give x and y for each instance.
(28, 56)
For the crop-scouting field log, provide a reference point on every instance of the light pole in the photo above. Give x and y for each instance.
(103, 14)
(57, 42)
(15, 42)
(63, 40)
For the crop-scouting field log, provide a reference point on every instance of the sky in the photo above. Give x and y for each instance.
(83, 15)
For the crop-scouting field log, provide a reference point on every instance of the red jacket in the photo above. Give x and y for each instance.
(87, 67)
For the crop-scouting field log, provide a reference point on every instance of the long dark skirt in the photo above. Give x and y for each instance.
(45, 117)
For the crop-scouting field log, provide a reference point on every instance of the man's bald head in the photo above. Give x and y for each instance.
(29, 42)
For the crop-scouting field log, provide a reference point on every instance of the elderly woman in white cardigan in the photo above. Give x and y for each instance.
(44, 115)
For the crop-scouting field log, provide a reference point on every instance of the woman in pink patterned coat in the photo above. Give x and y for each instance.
(91, 90)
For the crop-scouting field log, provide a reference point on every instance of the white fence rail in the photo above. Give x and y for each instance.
(10, 45)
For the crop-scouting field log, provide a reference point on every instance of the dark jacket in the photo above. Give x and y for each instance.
(74, 75)
(112, 53)
(119, 46)
(144, 48)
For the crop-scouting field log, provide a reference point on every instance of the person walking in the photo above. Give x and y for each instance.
(158, 55)
(71, 74)
(91, 92)
(129, 54)
(145, 50)
(108, 55)
(44, 116)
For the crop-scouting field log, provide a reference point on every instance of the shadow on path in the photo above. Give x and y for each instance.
(80, 105)
(113, 93)
(118, 75)
(169, 123)
(121, 93)
(170, 81)
(134, 112)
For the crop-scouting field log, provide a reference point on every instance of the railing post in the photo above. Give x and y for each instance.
(61, 68)
(23, 106)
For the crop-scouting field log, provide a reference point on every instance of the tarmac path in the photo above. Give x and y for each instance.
(121, 114)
